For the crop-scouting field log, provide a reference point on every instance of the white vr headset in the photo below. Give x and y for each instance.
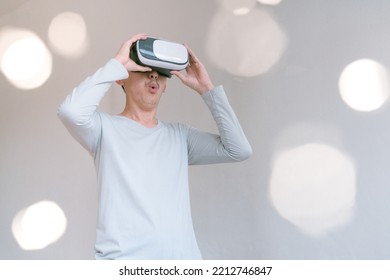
(160, 55)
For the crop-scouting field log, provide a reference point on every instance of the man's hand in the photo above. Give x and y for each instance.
(123, 55)
(196, 76)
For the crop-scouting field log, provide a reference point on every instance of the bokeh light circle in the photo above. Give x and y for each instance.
(313, 186)
(364, 85)
(237, 7)
(270, 2)
(25, 60)
(39, 225)
(68, 34)
(246, 45)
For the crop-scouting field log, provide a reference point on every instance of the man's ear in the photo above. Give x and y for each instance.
(165, 87)
(120, 82)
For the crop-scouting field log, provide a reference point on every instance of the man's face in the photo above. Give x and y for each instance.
(145, 88)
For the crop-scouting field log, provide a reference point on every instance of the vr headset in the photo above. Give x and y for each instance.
(160, 55)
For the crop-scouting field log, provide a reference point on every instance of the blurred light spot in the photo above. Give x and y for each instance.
(313, 187)
(246, 45)
(364, 85)
(237, 7)
(25, 60)
(68, 34)
(241, 11)
(270, 2)
(39, 225)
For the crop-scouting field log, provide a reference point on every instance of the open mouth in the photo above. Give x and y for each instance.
(153, 87)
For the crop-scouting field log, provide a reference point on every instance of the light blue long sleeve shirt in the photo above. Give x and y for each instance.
(142, 173)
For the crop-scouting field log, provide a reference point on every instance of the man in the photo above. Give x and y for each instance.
(142, 162)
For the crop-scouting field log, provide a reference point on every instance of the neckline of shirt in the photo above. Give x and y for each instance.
(139, 126)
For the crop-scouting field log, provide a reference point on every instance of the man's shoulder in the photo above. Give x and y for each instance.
(178, 128)
(174, 125)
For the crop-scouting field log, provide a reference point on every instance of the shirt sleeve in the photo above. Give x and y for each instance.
(79, 113)
(230, 145)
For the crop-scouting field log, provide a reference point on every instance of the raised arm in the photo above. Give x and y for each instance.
(205, 148)
(79, 110)
(231, 145)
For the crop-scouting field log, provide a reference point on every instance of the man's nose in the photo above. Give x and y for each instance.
(153, 75)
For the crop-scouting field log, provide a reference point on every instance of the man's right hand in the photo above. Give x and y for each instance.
(123, 55)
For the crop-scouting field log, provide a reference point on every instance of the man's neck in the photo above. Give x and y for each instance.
(145, 118)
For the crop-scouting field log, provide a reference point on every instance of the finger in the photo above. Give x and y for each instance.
(193, 58)
(179, 75)
(143, 68)
(138, 37)
(134, 39)
(131, 41)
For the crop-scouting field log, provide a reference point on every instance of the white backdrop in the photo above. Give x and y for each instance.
(308, 80)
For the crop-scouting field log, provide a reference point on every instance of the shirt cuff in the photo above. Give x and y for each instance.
(119, 69)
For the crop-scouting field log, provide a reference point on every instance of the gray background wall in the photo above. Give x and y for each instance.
(318, 183)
